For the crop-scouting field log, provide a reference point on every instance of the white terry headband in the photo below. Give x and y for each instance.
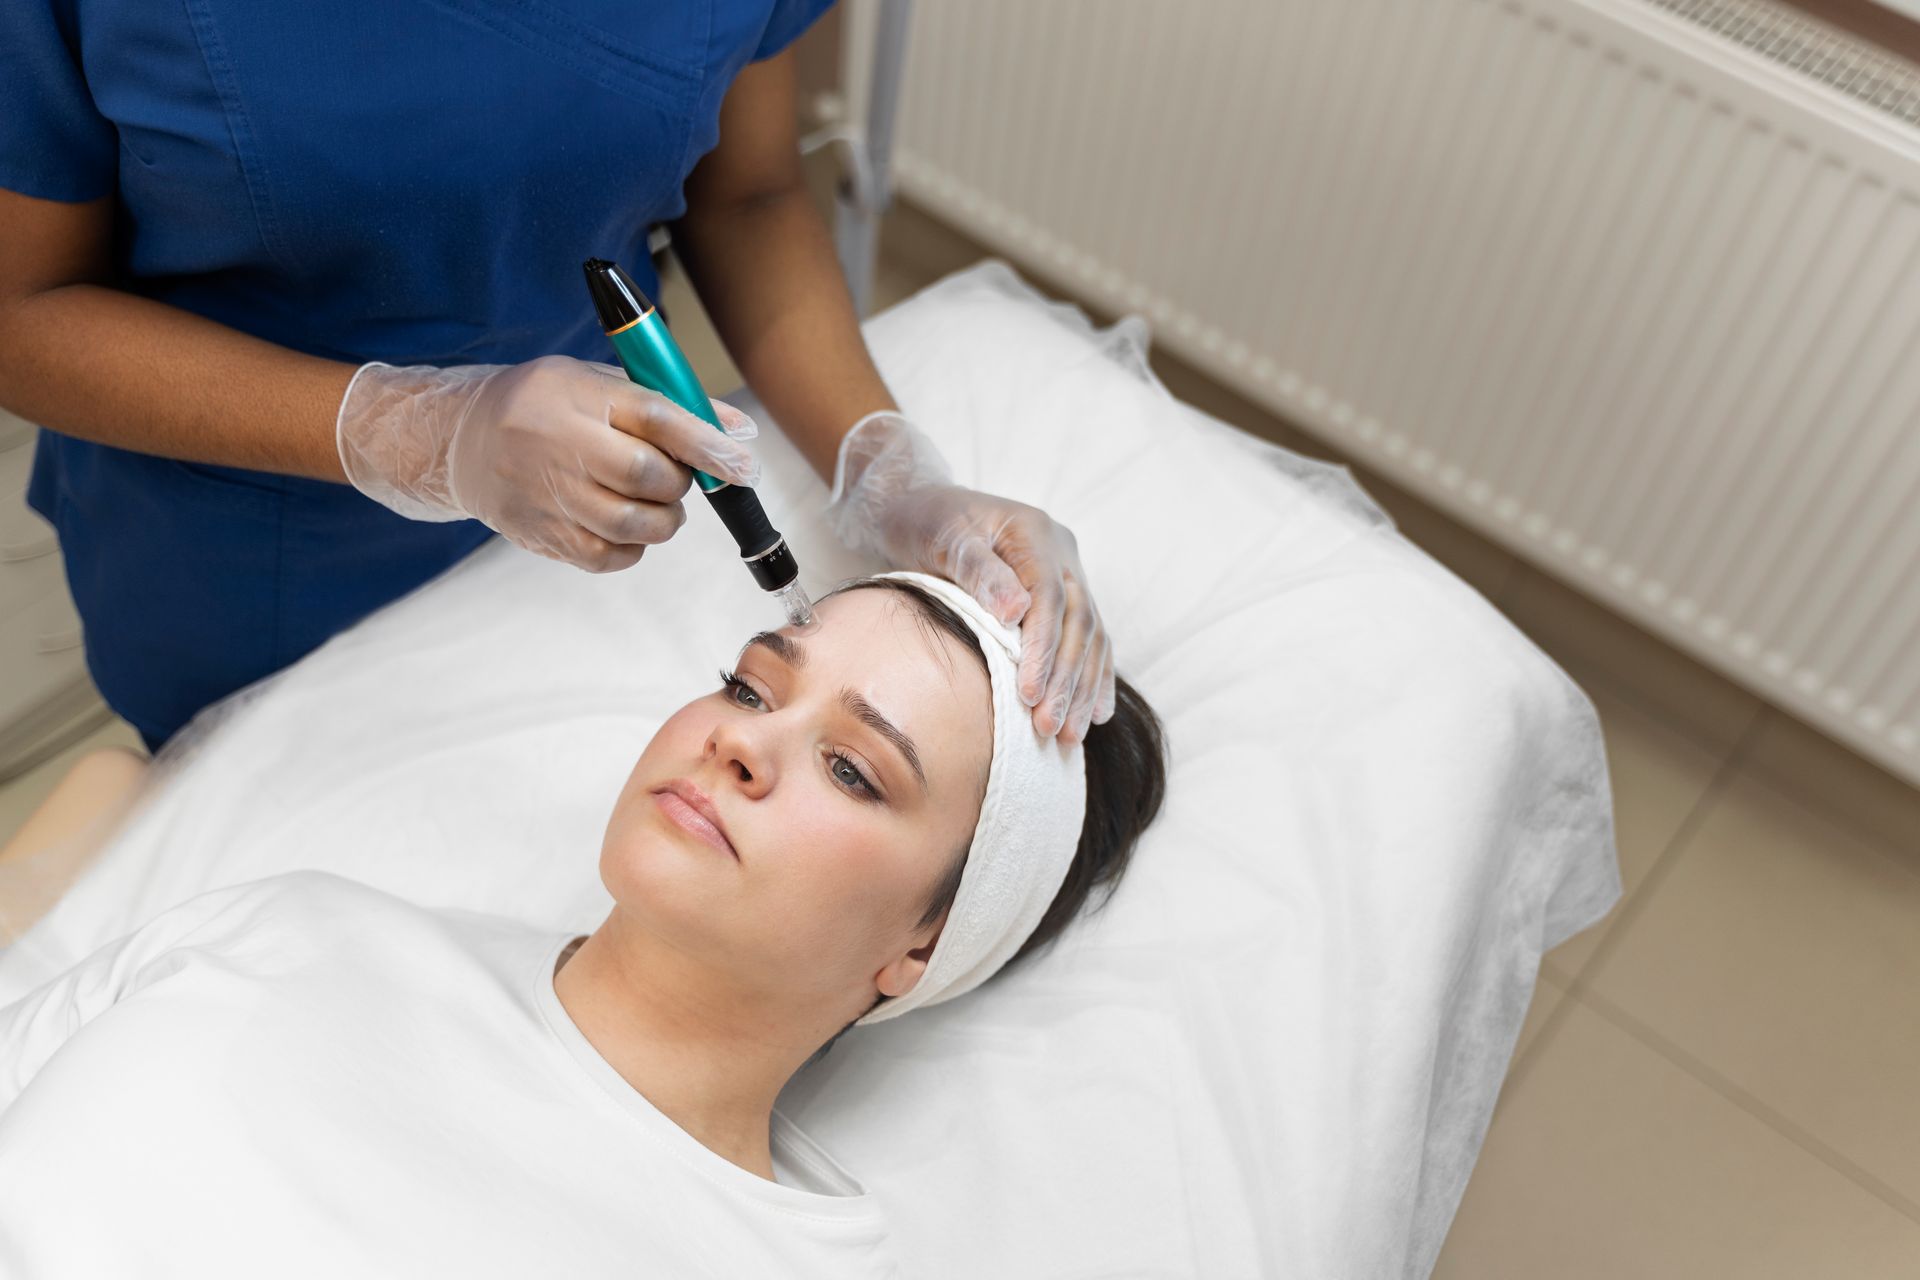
(1028, 830)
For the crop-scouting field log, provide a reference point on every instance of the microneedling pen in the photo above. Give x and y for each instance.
(652, 358)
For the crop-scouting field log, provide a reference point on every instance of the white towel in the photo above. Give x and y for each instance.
(1028, 830)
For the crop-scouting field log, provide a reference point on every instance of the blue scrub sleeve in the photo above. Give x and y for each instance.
(787, 23)
(54, 143)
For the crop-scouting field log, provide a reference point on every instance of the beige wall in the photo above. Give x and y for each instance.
(818, 53)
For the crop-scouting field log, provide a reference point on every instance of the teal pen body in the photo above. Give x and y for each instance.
(652, 358)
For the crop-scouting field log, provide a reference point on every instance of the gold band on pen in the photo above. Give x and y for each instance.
(629, 324)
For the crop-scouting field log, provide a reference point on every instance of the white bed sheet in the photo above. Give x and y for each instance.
(1274, 1054)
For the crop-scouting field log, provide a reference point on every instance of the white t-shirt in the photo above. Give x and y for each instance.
(306, 1076)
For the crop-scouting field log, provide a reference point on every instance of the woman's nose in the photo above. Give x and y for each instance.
(741, 748)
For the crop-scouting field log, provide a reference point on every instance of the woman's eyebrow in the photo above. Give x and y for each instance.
(869, 715)
(794, 654)
(791, 652)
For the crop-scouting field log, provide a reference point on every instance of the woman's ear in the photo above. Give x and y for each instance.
(903, 973)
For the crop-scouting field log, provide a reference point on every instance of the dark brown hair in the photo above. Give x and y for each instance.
(1126, 781)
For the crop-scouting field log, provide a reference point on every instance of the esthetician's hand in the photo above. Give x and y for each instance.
(893, 496)
(565, 458)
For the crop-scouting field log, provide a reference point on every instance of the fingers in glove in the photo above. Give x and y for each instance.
(976, 569)
(620, 521)
(1103, 703)
(1028, 545)
(1086, 690)
(1040, 633)
(683, 437)
(635, 468)
(570, 544)
(602, 556)
(1076, 639)
(737, 425)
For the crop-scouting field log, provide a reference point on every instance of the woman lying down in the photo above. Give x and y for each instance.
(307, 1076)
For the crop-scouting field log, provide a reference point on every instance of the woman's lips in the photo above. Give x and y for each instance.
(693, 812)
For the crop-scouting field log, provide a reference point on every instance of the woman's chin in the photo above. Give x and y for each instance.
(655, 862)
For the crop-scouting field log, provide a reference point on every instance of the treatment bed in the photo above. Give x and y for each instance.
(1275, 1052)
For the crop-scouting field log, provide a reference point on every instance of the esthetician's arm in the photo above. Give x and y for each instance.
(561, 460)
(762, 261)
(763, 264)
(92, 362)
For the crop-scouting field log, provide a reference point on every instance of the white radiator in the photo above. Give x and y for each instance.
(1632, 286)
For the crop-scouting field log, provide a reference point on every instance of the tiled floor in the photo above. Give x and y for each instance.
(1722, 1078)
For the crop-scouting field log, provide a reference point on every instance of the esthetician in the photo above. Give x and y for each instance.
(273, 273)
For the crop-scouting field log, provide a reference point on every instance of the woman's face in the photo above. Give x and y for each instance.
(829, 839)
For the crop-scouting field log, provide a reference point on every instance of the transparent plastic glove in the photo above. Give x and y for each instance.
(565, 458)
(894, 497)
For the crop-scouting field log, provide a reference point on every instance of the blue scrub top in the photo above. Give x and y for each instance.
(414, 181)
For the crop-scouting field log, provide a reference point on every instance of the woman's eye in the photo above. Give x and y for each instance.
(844, 770)
(849, 774)
(739, 691)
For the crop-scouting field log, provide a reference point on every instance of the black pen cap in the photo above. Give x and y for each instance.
(616, 298)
